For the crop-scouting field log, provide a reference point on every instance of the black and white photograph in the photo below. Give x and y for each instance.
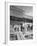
(21, 22)
(18, 23)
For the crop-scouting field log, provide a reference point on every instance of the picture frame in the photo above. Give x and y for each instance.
(8, 13)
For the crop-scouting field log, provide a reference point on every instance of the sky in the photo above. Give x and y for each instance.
(21, 11)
